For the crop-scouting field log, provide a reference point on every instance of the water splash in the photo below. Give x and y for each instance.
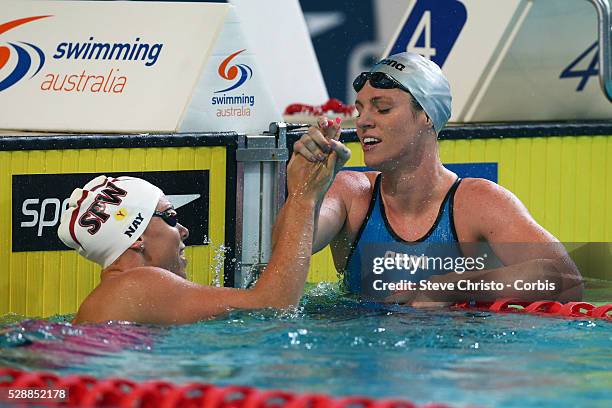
(218, 263)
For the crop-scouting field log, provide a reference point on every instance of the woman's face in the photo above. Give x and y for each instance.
(163, 243)
(390, 131)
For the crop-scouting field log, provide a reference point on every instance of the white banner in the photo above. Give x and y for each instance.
(102, 66)
(232, 93)
(298, 77)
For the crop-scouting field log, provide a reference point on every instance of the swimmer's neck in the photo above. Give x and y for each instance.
(412, 190)
(111, 272)
(129, 260)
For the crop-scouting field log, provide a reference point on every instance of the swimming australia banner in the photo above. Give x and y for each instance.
(231, 93)
(102, 66)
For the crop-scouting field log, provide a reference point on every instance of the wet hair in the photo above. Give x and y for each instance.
(417, 108)
(415, 104)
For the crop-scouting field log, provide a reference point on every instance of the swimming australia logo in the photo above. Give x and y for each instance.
(233, 71)
(18, 56)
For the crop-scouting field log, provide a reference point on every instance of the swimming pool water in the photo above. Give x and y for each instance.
(340, 346)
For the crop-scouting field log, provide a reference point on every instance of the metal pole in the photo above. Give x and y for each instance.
(262, 174)
(604, 29)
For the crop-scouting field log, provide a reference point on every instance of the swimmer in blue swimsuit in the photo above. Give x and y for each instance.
(410, 198)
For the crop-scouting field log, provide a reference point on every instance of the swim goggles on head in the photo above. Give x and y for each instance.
(378, 80)
(169, 216)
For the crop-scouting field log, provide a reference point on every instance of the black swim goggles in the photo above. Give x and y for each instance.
(378, 80)
(169, 216)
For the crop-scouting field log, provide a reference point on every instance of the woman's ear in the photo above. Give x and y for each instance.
(138, 245)
(428, 121)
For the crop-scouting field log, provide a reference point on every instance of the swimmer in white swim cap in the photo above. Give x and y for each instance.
(407, 195)
(129, 227)
(109, 216)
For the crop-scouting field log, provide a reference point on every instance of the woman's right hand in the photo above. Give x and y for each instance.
(314, 145)
(311, 180)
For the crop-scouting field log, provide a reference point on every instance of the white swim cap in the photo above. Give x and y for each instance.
(425, 81)
(108, 215)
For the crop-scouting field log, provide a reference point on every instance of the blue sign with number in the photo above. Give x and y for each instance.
(590, 58)
(432, 29)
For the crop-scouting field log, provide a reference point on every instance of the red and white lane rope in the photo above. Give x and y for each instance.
(544, 308)
(39, 388)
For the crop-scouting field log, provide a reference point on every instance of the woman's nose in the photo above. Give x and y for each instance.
(364, 120)
(183, 231)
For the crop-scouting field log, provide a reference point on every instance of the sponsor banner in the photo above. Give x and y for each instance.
(231, 93)
(101, 66)
(37, 210)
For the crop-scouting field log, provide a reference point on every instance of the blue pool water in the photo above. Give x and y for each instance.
(338, 346)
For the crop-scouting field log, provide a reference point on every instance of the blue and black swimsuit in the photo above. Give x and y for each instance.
(376, 238)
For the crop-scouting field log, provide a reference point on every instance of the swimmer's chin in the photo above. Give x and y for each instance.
(182, 270)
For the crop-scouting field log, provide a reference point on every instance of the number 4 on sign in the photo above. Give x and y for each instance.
(422, 29)
(585, 74)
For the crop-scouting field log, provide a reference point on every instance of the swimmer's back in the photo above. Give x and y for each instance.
(151, 295)
(117, 296)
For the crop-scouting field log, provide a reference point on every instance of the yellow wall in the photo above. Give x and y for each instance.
(55, 282)
(565, 182)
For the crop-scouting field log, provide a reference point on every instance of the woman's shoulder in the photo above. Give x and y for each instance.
(357, 180)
